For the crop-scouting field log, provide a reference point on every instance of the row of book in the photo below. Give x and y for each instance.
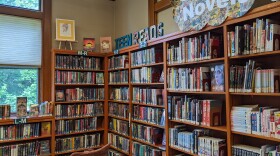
(21, 131)
(78, 125)
(147, 56)
(261, 36)
(118, 110)
(119, 94)
(78, 94)
(45, 108)
(77, 142)
(200, 112)
(30, 148)
(147, 96)
(206, 46)
(119, 142)
(73, 77)
(118, 62)
(119, 126)
(140, 150)
(149, 115)
(78, 62)
(257, 120)
(5, 111)
(148, 134)
(246, 150)
(196, 79)
(146, 75)
(196, 142)
(248, 79)
(78, 110)
(118, 77)
(114, 153)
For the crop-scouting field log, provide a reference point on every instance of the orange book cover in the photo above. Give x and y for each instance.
(45, 128)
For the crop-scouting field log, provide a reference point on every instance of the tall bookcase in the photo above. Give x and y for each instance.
(79, 107)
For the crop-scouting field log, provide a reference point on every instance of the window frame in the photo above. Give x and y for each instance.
(39, 10)
(154, 7)
(44, 14)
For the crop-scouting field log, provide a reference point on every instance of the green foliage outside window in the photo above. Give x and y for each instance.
(26, 4)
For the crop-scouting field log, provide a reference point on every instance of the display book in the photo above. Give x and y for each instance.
(78, 92)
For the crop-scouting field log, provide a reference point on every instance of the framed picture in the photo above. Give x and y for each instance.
(65, 30)
(105, 44)
(89, 44)
(59, 95)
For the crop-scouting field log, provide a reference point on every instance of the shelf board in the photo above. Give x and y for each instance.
(75, 52)
(85, 70)
(256, 94)
(117, 133)
(149, 124)
(145, 84)
(80, 117)
(257, 136)
(148, 105)
(69, 85)
(26, 139)
(119, 150)
(218, 128)
(197, 62)
(79, 101)
(183, 151)
(116, 117)
(147, 65)
(78, 150)
(123, 102)
(110, 70)
(152, 145)
(191, 92)
(75, 133)
(10, 120)
(119, 84)
(270, 53)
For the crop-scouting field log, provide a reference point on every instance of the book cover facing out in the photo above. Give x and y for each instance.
(217, 78)
(21, 106)
(89, 44)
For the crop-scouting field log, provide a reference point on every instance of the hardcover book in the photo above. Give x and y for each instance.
(59, 95)
(45, 128)
(217, 78)
(34, 110)
(89, 44)
(21, 106)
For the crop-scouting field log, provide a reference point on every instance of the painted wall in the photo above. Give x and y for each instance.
(93, 18)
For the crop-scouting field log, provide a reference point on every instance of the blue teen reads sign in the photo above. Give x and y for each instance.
(141, 36)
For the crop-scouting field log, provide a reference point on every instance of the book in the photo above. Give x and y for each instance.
(105, 44)
(59, 95)
(34, 110)
(45, 128)
(21, 106)
(89, 44)
(217, 78)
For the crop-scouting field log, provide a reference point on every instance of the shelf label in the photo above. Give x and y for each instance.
(20, 121)
(83, 52)
(143, 44)
(116, 51)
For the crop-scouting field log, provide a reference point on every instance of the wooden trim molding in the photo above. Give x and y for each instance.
(162, 5)
(21, 12)
(156, 7)
(151, 12)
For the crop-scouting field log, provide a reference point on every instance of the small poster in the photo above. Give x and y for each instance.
(21, 106)
(105, 44)
(89, 44)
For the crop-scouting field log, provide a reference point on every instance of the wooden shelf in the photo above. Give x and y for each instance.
(10, 121)
(257, 136)
(197, 62)
(146, 84)
(120, 84)
(26, 139)
(148, 105)
(80, 101)
(123, 102)
(116, 117)
(180, 150)
(69, 85)
(117, 133)
(81, 70)
(147, 65)
(81, 117)
(152, 145)
(78, 150)
(256, 94)
(110, 70)
(270, 53)
(76, 133)
(149, 124)
(189, 92)
(119, 150)
(217, 128)
(74, 52)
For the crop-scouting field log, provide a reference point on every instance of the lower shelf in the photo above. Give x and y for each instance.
(257, 136)
(119, 150)
(26, 139)
(152, 145)
(91, 131)
(183, 151)
(78, 150)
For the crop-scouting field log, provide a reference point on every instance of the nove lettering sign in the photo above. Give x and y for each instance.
(196, 14)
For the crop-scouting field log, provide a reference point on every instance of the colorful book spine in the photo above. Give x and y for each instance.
(77, 62)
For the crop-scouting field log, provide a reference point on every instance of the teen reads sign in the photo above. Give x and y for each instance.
(195, 14)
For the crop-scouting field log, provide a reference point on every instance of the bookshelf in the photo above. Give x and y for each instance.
(79, 107)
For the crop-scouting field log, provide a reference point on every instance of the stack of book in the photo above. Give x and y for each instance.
(146, 75)
(79, 110)
(118, 77)
(146, 57)
(119, 94)
(118, 62)
(5, 111)
(73, 77)
(147, 96)
(149, 114)
(152, 135)
(245, 150)
(119, 110)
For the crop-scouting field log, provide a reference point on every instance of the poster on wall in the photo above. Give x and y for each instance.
(196, 14)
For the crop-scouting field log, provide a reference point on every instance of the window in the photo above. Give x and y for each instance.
(18, 83)
(25, 4)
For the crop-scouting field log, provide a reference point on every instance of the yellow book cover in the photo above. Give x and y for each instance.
(45, 128)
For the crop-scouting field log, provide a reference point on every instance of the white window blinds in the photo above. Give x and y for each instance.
(20, 41)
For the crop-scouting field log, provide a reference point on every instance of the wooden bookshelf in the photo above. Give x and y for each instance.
(25, 139)
(183, 151)
(147, 65)
(121, 151)
(81, 117)
(196, 92)
(78, 150)
(148, 105)
(217, 128)
(117, 117)
(148, 124)
(82, 132)
(215, 60)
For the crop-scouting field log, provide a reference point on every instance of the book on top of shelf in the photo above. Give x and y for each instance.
(34, 110)
(89, 44)
(21, 106)
(105, 44)
(217, 78)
